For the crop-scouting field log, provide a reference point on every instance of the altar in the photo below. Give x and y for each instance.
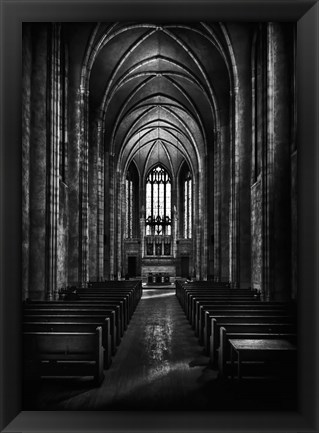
(161, 272)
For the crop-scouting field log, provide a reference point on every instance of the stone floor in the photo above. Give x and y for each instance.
(159, 365)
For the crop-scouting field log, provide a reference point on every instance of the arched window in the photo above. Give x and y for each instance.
(158, 202)
(188, 206)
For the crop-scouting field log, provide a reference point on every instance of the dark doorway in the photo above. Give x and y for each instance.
(131, 266)
(185, 267)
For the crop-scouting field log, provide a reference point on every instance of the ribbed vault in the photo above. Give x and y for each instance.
(153, 83)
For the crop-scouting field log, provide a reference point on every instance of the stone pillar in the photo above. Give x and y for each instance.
(175, 237)
(120, 214)
(142, 234)
(101, 193)
(224, 181)
(93, 152)
(73, 177)
(217, 255)
(84, 196)
(244, 177)
(234, 191)
(107, 216)
(259, 126)
(204, 237)
(240, 245)
(279, 106)
(210, 207)
(38, 164)
(53, 161)
(111, 211)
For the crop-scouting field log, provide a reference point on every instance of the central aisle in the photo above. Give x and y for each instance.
(159, 364)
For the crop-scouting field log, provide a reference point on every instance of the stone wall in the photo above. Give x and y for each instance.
(63, 238)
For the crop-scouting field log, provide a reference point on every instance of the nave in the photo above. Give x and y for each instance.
(159, 365)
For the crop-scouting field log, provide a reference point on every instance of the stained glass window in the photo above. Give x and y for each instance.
(158, 202)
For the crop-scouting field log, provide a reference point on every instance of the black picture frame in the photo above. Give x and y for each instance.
(13, 13)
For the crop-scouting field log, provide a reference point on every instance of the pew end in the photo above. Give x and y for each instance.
(56, 354)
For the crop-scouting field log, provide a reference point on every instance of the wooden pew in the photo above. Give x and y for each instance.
(230, 294)
(123, 296)
(182, 291)
(111, 305)
(273, 350)
(123, 301)
(76, 318)
(77, 327)
(49, 353)
(247, 325)
(56, 310)
(203, 325)
(192, 297)
(242, 317)
(201, 307)
(227, 294)
(236, 332)
(197, 301)
(132, 287)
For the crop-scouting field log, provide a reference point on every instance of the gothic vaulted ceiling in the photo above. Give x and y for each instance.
(161, 90)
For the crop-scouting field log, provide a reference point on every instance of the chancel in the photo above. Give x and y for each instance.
(159, 216)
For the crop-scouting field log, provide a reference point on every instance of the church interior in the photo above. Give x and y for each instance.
(159, 199)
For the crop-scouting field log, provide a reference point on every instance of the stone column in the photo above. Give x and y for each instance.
(217, 259)
(234, 191)
(120, 214)
(53, 162)
(107, 216)
(111, 211)
(175, 237)
(93, 197)
(101, 192)
(84, 196)
(224, 193)
(73, 177)
(259, 126)
(204, 237)
(244, 113)
(211, 207)
(142, 233)
(278, 161)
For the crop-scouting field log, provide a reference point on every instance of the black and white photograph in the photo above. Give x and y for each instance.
(159, 216)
